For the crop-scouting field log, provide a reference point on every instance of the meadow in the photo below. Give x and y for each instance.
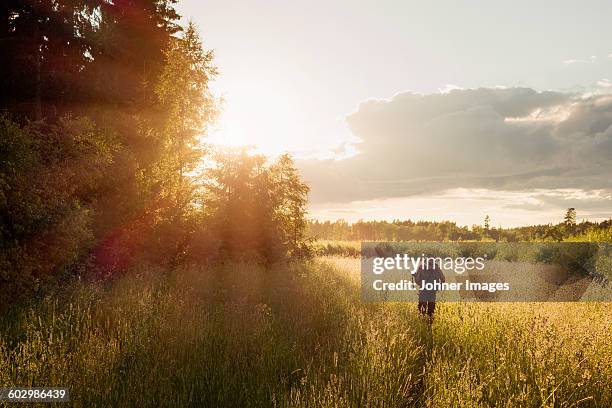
(299, 335)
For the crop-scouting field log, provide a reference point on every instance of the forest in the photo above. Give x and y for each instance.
(407, 230)
(104, 163)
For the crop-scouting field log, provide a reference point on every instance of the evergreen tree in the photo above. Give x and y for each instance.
(46, 47)
(292, 196)
(570, 217)
(187, 103)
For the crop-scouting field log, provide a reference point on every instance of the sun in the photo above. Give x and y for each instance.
(275, 116)
(259, 114)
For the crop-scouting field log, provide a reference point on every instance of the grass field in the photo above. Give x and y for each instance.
(298, 335)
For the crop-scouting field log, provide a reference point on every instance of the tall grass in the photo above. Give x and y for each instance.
(298, 335)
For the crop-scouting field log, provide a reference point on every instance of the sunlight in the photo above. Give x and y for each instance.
(274, 116)
(260, 114)
(212, 203)
(228, 133)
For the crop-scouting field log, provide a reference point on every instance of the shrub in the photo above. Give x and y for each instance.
(44, 224)
(577, 257)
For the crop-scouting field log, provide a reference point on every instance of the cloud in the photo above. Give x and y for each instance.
(571, 61)
(513, 139)
(604, 83)
(468, 206)
(448, 88)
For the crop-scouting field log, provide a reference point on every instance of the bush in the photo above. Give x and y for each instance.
(44, 172)
(478, 249)
(576, 257)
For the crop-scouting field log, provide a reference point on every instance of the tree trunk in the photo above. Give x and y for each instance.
(38, 64)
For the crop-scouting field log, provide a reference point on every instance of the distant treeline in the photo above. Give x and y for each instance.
(449, 231)
(103, 109)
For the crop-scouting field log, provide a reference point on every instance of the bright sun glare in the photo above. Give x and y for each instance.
(270, 116)
(257, 114)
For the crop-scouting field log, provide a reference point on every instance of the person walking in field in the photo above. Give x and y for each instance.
(428, 273)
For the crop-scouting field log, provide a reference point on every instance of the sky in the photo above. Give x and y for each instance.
(424, 110)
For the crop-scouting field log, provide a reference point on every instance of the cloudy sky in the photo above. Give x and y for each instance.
(423, 110)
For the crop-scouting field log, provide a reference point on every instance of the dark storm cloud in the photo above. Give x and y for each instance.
(498, 139)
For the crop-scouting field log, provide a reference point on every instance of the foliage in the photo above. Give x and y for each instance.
(409, 230)
(120, 179)
(255, 209)
(186, 103)
(185, 108)
(594, 235)
(46, 176)
(65, 56)
(347, 249)
(574, 256)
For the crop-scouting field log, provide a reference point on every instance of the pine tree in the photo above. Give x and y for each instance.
(188, 107)
(45, 47)
(292, 194)
(569, 221)
(570, 217)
